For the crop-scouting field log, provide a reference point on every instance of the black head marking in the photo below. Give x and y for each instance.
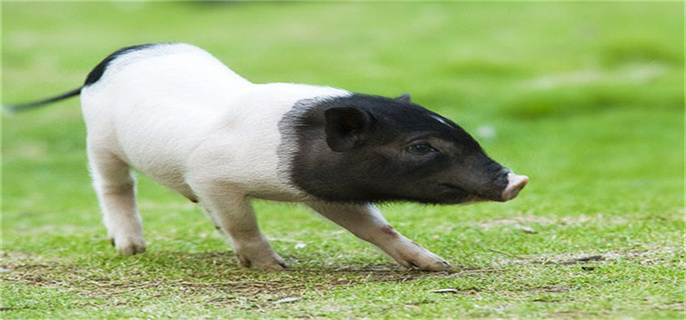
(362, 148)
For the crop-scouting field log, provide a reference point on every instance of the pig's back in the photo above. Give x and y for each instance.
(151, 105)
(163, 77)
(158, 107)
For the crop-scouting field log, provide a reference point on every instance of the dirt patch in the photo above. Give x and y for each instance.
(87, 283)
(212, 281)
(553, 289)
(650, 256)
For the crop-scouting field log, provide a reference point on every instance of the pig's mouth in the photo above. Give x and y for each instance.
(515, 183)
(459, 195)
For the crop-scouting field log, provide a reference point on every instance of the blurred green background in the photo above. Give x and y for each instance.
(585, 98)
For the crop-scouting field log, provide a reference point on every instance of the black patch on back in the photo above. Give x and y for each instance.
(98, 71)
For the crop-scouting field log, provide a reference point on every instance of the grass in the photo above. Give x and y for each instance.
(585, 98)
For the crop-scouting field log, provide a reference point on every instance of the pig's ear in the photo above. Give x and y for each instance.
(405, 97)
(346, 127)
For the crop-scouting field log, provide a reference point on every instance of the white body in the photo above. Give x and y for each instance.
(180, 116)
(184, 115)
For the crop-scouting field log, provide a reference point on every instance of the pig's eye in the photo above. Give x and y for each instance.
(420, 149)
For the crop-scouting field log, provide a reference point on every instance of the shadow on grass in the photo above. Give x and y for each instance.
(215, 280)
(208, 278)
(207, 273)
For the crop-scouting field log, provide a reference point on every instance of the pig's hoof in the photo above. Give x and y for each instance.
(271, 262)
(129, 246)
(278, 266)
(426, 261)
(438, 265)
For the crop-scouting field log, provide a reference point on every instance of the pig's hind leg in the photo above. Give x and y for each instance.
(367, 223)
(115, 187)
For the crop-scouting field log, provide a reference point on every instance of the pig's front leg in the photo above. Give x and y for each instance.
(367, 223)
(234, 216)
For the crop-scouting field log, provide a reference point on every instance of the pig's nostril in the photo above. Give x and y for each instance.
(515, 184)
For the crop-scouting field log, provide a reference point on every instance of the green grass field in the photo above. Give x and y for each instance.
(587, 99)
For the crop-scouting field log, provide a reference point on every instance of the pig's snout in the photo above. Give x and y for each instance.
(515, 183)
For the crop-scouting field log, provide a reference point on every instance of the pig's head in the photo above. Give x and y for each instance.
(362, 148)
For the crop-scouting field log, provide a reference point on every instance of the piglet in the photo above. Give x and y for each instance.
(180, 116)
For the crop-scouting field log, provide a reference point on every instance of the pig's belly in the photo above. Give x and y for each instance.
(170, 177)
